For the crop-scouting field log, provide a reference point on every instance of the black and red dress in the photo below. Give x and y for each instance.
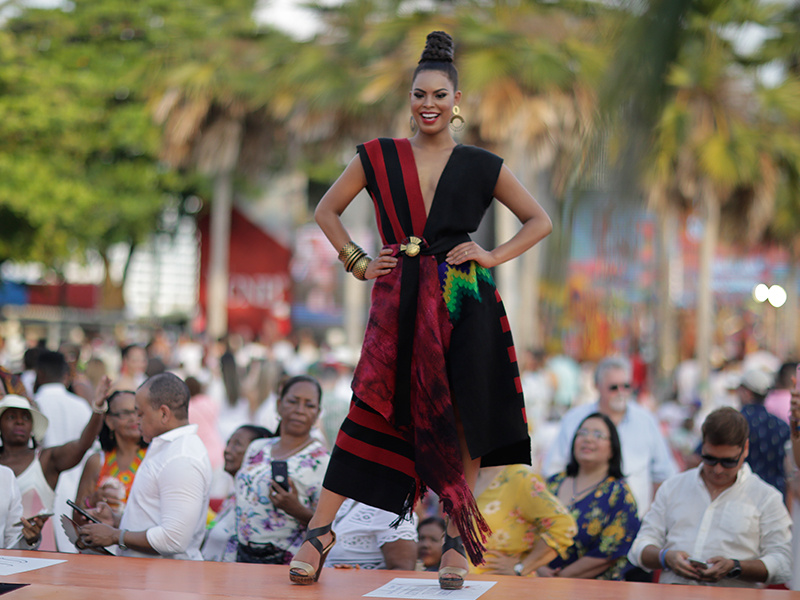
(437, 341)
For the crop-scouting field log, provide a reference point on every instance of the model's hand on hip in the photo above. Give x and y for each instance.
(470, 251)
(382, 264)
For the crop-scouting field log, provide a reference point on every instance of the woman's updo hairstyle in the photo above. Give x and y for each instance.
(438, 56)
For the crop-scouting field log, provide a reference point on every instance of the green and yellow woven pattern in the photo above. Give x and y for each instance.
(460, 282)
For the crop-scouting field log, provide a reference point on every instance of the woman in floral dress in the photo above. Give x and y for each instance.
(271, 521)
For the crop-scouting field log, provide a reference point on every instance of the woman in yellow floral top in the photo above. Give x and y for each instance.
(529, 525)
(601, 502)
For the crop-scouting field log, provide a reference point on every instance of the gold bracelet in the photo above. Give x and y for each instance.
(353, 259)
(360, 268)
(348, 250)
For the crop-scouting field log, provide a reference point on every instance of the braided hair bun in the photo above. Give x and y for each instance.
(438, 56)
(438, 48)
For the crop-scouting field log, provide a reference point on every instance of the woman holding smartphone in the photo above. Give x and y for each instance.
(278, 485)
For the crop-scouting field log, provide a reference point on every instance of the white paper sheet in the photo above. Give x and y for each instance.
(428, 589)
(11, 565)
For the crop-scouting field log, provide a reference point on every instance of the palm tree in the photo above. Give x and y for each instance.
(783, 103)
(212, 99)
(711, 150)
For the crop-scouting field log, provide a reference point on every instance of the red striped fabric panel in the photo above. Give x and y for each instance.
(416, 204)
(375, 454)
(375, 153)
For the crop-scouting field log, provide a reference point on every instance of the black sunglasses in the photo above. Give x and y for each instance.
(727, 463)
(619, 386)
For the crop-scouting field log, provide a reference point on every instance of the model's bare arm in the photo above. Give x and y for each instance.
(338, 197)
(333, 204)
(536, 225)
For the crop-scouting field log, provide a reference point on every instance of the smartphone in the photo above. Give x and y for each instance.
(696, 562)
(82, 512)
(44, 515)
(280, 473)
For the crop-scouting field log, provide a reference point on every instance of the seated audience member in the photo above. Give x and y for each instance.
(769, 435)
(593, 490)
(22, 428)
(271, 521)
(717, 524)
(365, 539)
(429, 548)
(646, 458)
(16, 532)
(165, 515)
(220, 540)
(530, 527)
(108, 475)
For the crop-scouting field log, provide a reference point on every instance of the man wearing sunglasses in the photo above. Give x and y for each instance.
(646, 459)
(717, 524)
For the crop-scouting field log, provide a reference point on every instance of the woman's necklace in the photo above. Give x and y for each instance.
(284, 454)
(578, 494)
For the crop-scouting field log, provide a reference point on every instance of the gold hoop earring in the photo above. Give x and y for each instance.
(457, 122)
(413, 124)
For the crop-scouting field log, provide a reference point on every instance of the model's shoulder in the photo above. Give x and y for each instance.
(477, 153)
(381, 141)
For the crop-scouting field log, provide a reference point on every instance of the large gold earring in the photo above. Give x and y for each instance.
(457, 122)
(413, 124)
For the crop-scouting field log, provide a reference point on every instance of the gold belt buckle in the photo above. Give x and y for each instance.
(412, 248)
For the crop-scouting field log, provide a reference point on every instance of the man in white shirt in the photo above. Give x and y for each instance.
(166, 511)
(717, 524)
(68, 415)
(646, 458)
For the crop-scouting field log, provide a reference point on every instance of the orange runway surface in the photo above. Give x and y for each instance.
(88, 577)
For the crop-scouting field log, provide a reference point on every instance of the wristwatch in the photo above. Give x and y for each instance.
(735, 571)
(518, 568)
(121, 542)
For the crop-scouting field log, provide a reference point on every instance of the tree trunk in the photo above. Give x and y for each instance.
(111, 297)
(218, 276)
(705, 301)
(666, 329)
(217, 155)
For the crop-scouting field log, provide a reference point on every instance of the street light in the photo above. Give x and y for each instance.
(761, 292)
(777, 296)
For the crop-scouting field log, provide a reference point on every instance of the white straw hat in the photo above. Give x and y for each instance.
(39, 420)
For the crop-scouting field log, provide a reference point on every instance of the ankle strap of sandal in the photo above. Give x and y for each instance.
(454, 543)
(312, 536)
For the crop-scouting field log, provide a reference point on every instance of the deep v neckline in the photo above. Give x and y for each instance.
(417, 196)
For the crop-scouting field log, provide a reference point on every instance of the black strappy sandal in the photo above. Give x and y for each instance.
(452, 578)
(303, 573)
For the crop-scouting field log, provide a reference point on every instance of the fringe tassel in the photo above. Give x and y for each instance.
(417, 491)
(471, 525)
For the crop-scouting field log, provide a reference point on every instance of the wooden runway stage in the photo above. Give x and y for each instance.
(85, 577)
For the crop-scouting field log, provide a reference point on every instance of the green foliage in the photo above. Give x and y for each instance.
(79, 162)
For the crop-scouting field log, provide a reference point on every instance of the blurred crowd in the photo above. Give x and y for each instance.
(79, 420)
